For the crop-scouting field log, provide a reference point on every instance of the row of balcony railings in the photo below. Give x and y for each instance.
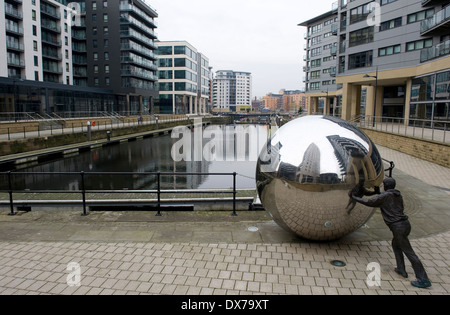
(437, 19)
(126, 6)
(435, 130)
(64, 123)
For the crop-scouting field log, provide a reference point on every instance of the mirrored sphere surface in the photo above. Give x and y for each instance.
(307, 170)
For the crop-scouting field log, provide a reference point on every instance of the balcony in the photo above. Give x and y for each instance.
(139, 13)
(52, 69)
(333, 50)
(433, 2)
(438, 24)
(14, 62)
(13, 12)
(333, 71)
(45, 24)
(14, 29)
(51, 55)
(50, 12)
(334, 29)
(15, 46)
(437, 51)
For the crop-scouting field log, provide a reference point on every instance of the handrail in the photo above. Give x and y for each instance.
(83, 191)
(426, 129)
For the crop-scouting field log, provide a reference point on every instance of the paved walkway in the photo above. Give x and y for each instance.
(50, 252)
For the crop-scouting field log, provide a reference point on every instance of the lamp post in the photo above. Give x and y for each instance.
(376, 92)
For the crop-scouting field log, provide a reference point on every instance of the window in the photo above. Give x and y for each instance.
(36, 61)
(165, 74)
(361, 13)
(360, 60)
(383, 2)
(166, 86)
(33, 15)
(165, 50)
(315, 63)
(105, 18)
(315, 74)
(316, 52)
(315, 29)
(316, 40)
(165, 62)
(362, 36)
(388, 25)
(391, 50)
(180, 62)
(420, 16)
(315, 86)
(35, 45)
(106, 68)
(420, 44)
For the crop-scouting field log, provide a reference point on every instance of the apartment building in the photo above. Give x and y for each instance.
(77, 57)
(232, 91)
(184, 79)
(321, 62)
(285, 100)
(395, 54)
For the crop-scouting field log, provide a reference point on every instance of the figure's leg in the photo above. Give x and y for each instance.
(405, 245)
(400, 259)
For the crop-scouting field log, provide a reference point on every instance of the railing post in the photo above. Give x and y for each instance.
(158, 214)
(445, 131)
(234, 194)
(83, 193)
(11, 203)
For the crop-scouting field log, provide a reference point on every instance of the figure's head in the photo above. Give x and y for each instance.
(389, 183)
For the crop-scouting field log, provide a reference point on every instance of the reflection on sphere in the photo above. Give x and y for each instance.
(308, 168)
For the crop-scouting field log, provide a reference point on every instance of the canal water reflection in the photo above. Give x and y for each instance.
(150, 155)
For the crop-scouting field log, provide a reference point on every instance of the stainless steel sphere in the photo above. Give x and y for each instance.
(307, 170)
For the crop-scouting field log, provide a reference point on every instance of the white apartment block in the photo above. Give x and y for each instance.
(35, 38)
(183, 78)
(232, 91)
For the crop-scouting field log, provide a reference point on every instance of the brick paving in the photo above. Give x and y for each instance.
(176, 258)
(215, 269)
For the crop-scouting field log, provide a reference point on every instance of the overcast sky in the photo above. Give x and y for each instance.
(257, 36)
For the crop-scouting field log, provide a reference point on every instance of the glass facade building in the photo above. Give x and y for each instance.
(184, 77)
(72, 46)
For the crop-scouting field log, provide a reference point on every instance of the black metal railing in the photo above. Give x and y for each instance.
(11, 187)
